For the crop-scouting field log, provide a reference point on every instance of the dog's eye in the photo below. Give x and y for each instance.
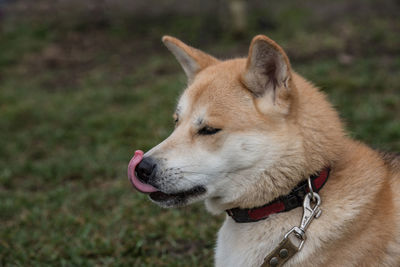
(207, 130)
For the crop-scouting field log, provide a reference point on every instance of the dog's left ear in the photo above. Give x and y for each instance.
(191, 59)
(267, 72)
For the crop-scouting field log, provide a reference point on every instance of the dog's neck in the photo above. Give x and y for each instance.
(283, 203)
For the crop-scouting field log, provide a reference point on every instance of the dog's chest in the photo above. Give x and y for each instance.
(247, 244)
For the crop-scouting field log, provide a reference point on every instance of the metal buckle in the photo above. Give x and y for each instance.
(309, 213)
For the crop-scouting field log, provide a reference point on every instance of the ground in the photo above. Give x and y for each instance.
(78, 97)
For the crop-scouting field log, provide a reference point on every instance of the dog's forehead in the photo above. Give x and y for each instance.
(215, 90)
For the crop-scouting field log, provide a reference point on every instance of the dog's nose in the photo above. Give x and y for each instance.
(145, 169)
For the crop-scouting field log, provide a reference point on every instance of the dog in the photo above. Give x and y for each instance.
(255, 139)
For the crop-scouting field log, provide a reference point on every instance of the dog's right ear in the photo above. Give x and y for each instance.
(191, 59)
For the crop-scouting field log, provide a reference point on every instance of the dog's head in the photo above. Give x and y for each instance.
(235, 125)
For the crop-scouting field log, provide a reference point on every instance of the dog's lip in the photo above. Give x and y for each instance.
(160, 196)
(140, 186)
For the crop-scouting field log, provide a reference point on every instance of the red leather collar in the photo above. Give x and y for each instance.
(283, 203)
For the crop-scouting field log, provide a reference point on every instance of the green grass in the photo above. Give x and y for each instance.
(73, 113)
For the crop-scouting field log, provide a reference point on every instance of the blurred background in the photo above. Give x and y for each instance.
(84, 83)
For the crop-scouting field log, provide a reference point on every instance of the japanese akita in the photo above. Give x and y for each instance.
(255, 139)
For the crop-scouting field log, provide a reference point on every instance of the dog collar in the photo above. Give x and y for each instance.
(283, 203)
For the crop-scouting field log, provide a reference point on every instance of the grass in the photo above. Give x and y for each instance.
(75, 102)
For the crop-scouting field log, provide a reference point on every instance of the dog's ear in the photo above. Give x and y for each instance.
(191, 59)
(267, 72)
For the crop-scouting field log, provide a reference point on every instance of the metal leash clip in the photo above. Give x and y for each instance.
(286, 248)
(309, 213)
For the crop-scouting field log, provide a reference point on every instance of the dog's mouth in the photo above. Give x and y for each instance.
(155, 194)
(176, 198)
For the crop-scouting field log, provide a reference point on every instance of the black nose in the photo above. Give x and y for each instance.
(145, 169)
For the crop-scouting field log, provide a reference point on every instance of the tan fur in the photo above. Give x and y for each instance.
(360, 222)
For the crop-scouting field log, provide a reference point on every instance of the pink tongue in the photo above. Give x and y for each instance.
(142, 187)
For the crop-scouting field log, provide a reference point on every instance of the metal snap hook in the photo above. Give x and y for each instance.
(309, 213)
